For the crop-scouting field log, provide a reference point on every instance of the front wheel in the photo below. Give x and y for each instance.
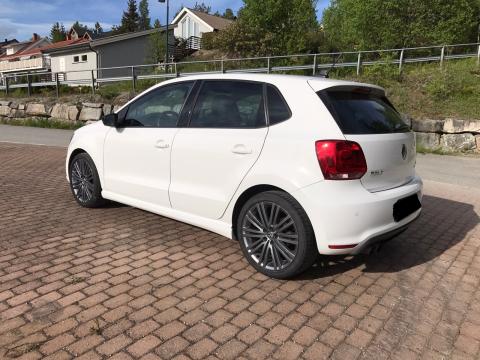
(275, 235)
(84, 181)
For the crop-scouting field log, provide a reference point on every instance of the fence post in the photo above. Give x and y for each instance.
(29, 85)
(222, 66)
(400, 65)
(442, 57)
(57, 85)
(134, 80)
(93, 82)
(478, 55)
(359, 63)
(314, 64)
(6, 85)
(268, 65)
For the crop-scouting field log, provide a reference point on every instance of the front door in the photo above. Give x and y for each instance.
(137, 155)
(213, 154)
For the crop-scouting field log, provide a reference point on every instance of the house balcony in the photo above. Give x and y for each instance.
(24, 65)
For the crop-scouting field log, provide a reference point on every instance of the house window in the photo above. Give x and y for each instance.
(84, 57)
(76, 59)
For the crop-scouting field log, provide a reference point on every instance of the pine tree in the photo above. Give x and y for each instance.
(98, 28)
(144, 22)
(228, 14)
(202, 7)
(57, 33)
(130, 18)
(157, 24)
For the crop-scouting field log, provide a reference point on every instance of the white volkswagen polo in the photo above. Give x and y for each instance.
(289, 166)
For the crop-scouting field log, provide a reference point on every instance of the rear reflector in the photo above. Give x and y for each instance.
(341, 159)
(338, 247)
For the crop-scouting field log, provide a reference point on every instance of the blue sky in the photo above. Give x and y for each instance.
(20, 18)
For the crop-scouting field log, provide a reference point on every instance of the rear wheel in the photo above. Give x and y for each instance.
(84, 181)
(275, 235)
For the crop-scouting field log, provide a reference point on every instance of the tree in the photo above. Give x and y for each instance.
(58, 33)
(377, 24)
(270, 27)
(156, 48)
(144, 21)
(98, 28)
(202, 7)
(157, 24)
(228, 14)
(130, 18)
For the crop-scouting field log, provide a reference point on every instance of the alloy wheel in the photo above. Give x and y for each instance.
(270, 235)
(82, 180)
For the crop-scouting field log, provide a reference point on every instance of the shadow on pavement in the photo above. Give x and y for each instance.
(442, 224)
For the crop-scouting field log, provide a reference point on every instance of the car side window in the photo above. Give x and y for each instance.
(278, 109)
(229, 104)
(159, 108)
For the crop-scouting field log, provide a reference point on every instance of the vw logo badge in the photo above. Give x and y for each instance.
(404, 152)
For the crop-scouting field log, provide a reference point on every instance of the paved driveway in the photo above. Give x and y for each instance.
(124, 283)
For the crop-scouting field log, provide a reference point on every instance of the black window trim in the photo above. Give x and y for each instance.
(203, 81)
(127, 109)
(268, 103)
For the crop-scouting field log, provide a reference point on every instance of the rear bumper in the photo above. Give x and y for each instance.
(345, 214)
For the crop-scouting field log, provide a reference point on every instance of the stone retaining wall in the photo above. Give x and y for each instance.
(448, 135)
(84, 112)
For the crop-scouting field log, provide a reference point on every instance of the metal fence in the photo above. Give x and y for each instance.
(142, 76)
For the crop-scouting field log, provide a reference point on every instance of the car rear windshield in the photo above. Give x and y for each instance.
(360, 111)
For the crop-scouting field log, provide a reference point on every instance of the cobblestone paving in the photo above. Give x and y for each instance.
(121, 283)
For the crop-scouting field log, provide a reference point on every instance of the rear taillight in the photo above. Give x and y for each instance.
(341, 159)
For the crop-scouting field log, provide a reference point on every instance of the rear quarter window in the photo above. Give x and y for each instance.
(360, 111)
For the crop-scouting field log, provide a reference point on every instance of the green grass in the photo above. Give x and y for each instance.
(43, 123)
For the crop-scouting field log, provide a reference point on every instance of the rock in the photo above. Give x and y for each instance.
(107, 109)
(36, 109)
(60, 111)
(116, 108)
(429, 141)
(92, 105)
(15, 113)
(90, 113)
(13, 105)
(477, 140)
(407, 120)
(4, 110)
(427, 126)
(453, 126)
(73, 113)
(21, 106)
(458, 142)
(5, 103)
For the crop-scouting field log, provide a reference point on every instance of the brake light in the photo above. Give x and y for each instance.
(341, 159)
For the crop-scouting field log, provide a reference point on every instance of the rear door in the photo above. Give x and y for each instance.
(367, 117)
(223, 140)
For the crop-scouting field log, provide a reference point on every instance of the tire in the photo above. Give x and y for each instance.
(288, 247)
(84, 181)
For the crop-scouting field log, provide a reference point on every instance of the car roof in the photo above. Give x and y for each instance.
(281, 81)
(317, 83)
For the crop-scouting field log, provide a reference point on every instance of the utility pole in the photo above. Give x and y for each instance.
(166, 41)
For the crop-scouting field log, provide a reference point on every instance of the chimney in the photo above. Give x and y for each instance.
(35, 37)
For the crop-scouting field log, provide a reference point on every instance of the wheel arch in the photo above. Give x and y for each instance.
(243, 198)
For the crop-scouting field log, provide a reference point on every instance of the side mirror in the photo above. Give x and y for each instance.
(110, 120)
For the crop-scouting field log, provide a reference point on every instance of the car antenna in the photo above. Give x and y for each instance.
(325, 73)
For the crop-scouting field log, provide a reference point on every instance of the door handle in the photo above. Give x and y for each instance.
(161, 144)
(241, 149)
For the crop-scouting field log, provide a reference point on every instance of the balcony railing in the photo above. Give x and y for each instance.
(30, 64)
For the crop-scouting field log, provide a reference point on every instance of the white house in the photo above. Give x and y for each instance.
(191, 25)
